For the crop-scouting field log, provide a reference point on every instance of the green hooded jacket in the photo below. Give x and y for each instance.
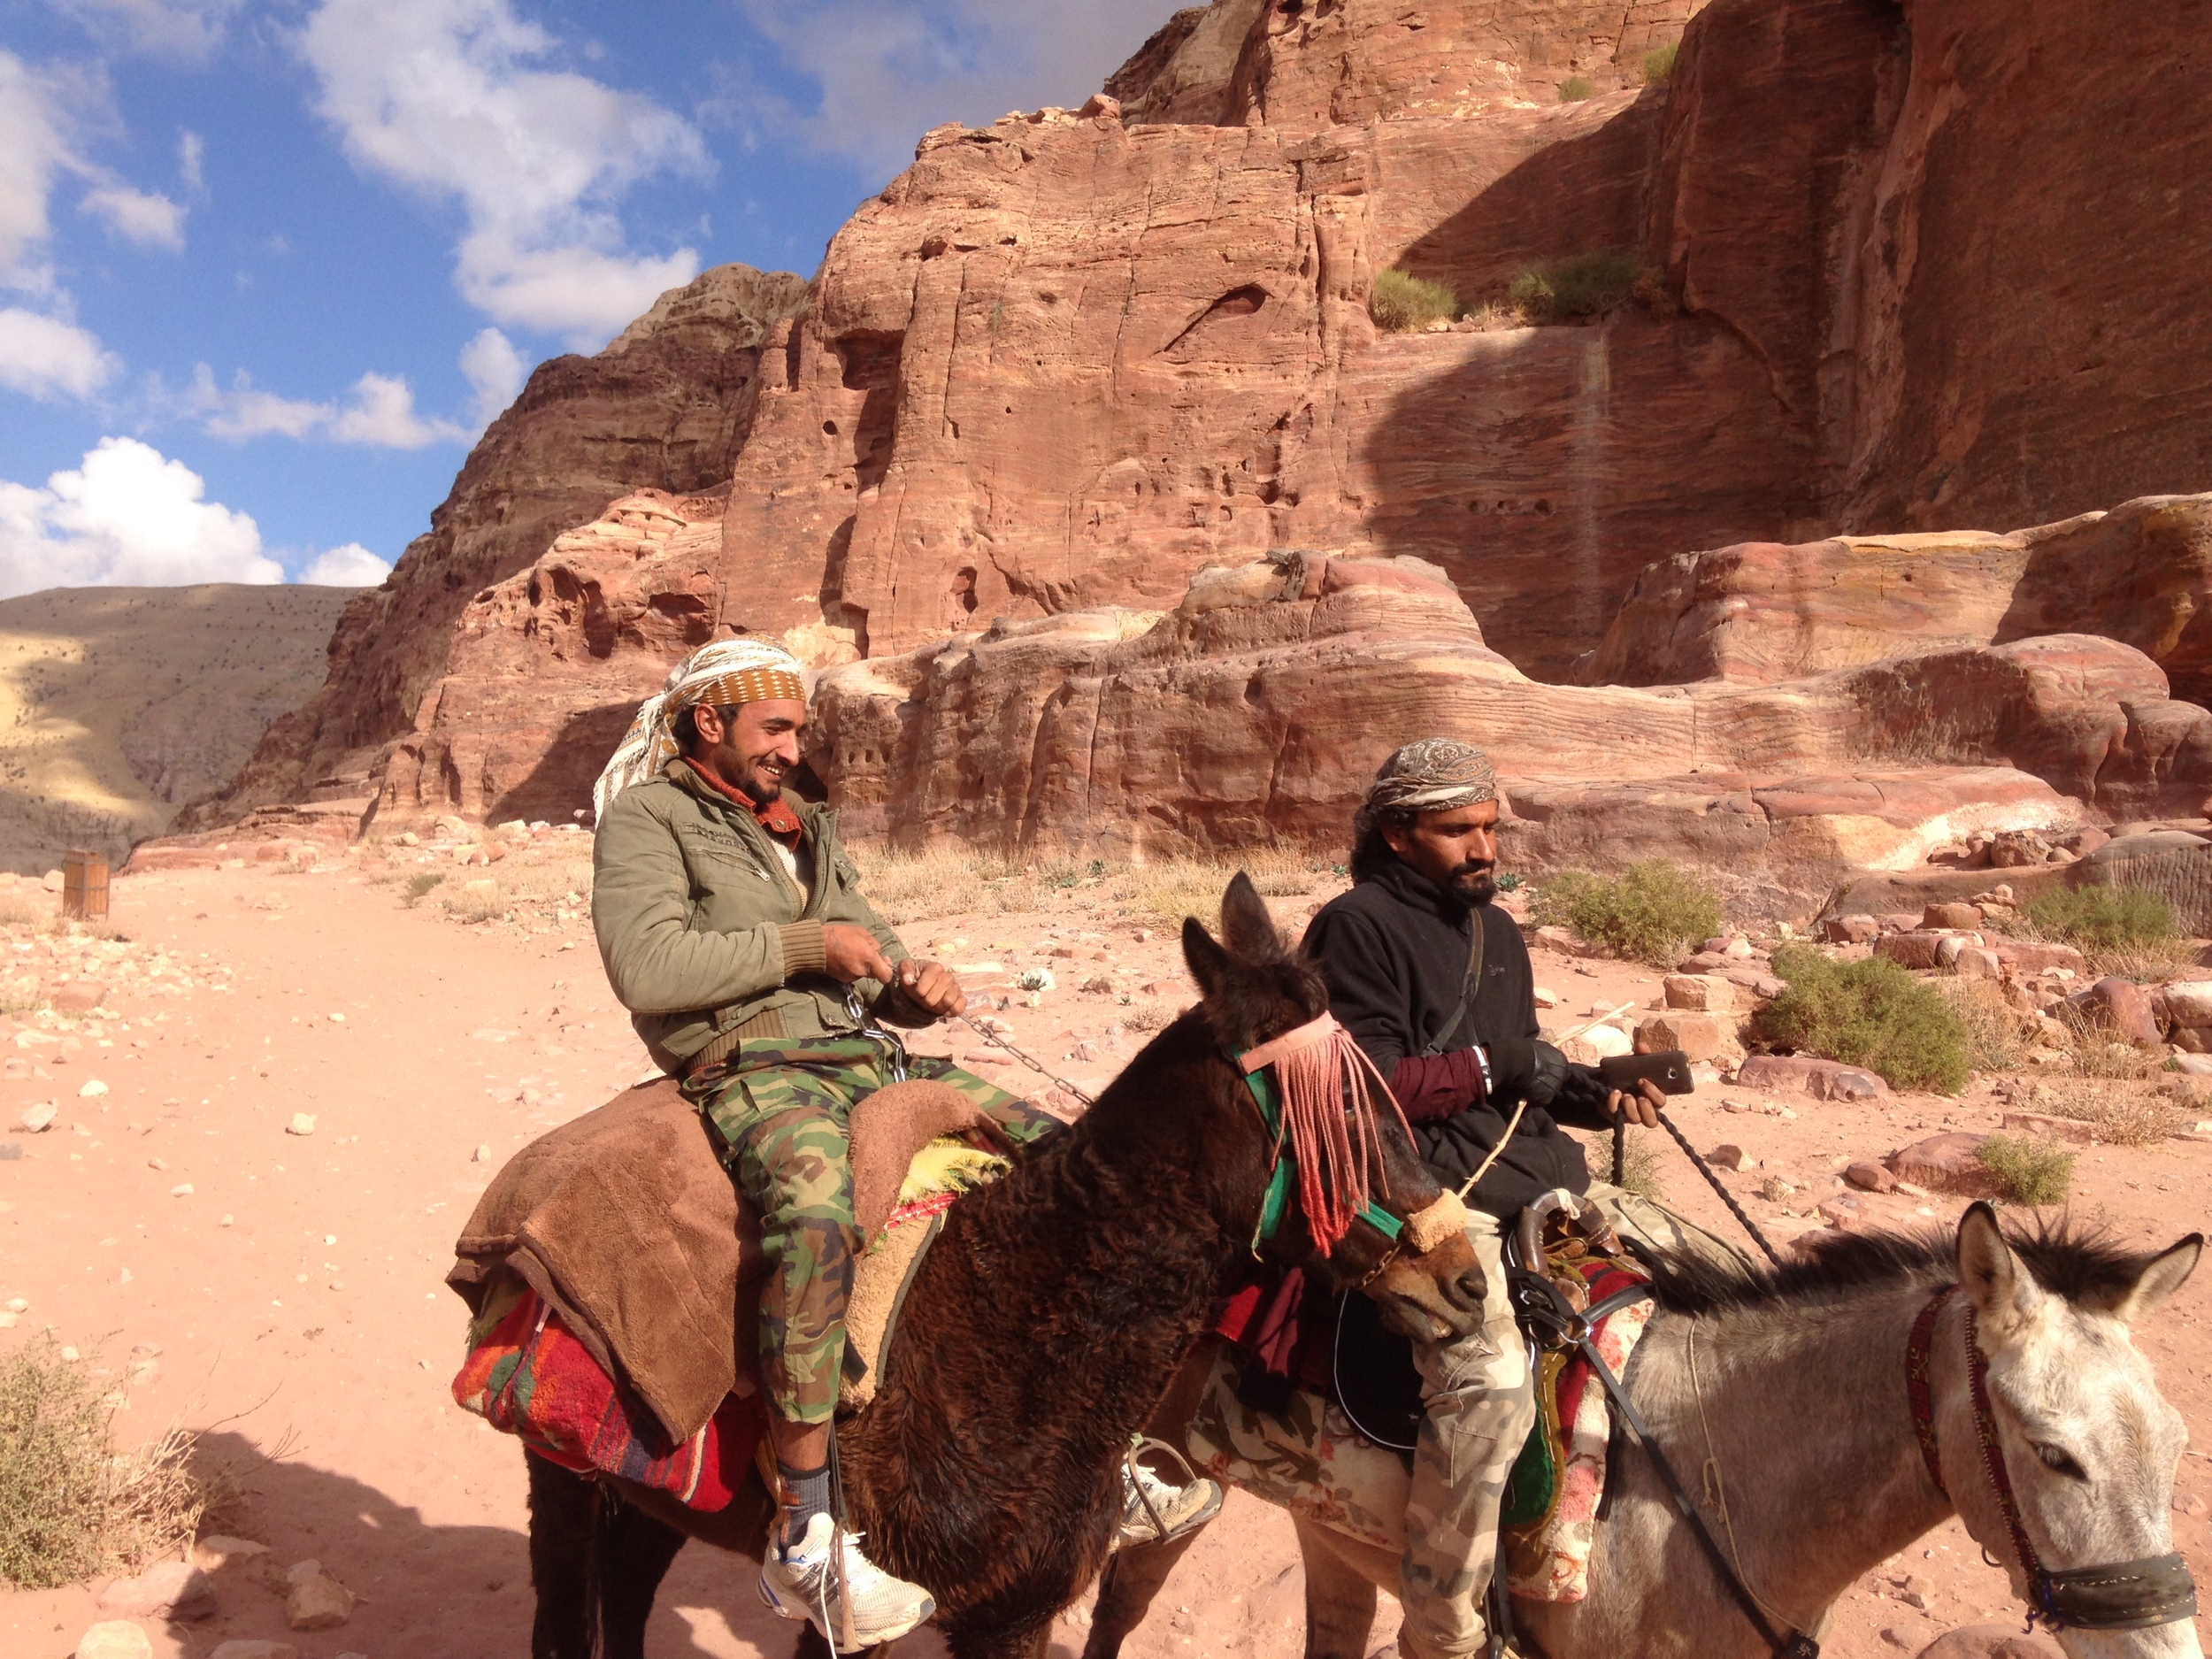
(705, 939)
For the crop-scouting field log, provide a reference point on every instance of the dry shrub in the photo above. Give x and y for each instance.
(18, 912)
(1404, 304)
(944, 880)
(1654, 911)
(1147, 1017)
(419, 885)
(1575, 88)
(1583, 285)
(2127, 931)
(1639, 1166)
(1163, 893)
(2095, 1052)
(1997, 1033)
(2124, 1113)
(2028, 1170)
(71, 1505)
(1659, 66)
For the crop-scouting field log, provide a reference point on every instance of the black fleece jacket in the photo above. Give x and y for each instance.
(1395, 952)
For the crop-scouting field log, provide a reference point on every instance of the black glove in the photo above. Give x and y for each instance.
(1525, 1069)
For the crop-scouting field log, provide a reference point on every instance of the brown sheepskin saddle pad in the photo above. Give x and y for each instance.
(625, 1221)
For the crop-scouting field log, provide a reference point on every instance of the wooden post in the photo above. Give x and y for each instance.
(84, 886)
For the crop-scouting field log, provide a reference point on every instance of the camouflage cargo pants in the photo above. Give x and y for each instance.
(780, 1106)
(1481, 1404)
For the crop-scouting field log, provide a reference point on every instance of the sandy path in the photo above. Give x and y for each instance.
(313, 1340)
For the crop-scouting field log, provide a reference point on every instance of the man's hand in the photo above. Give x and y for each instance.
(1640, 1109)
(931, 986)
(853, 954)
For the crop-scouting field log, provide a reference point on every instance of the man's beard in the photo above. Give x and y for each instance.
(748, 777)
(1475, 884)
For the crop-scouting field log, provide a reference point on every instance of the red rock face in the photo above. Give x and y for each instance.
(665, 406)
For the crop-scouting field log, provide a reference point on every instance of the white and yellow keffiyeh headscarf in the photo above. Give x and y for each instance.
(721, 676)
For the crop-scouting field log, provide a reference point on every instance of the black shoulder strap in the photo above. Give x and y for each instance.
(1462, 1030)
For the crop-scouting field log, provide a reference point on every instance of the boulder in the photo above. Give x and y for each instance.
(1822, 1080)
(1951, 915)
(1976, 962)
(2189, 1002)
(1946, 1164)
(1869, 1177)
(169, 1589)
(1699, 992)
(114, 1639)
(2035, 956)
(1992, 1641)
(1853, 930)
(2120, 1007)
(2049, 1128)
(1921, 951)
(316, 1601)
(1699, 1036)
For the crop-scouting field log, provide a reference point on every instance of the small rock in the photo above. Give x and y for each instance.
(1854, 930)
(1699, 1036)
(1917, 1591)
(1953, 915)
(172, 1589)
(2190, 1504)
(2049, 1127)
(93, 1089)
(182, 1189)
(1546, 998)
(114, 1639)
(1869, 1177)
(301, 1124)
(318, 1602)
(80, 998)
(1897, 1636)
(256, 1650)
(1846, 1212)
(1976, 962)
(220, 1549)
(1948, 1163)
(1917, 951)
(39, 1118)
(1699, 993)
(1098, 107)
(16, 1304)
(482, 1155)
(1729, 1157)
(1822, 1080)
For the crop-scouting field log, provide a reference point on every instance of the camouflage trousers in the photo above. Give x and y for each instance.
(1481, 1402)
(780, 1106)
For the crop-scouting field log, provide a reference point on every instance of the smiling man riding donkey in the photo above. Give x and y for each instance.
(731, 926)
(1434, 982)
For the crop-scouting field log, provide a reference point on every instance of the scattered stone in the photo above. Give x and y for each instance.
(1898, 1636)
(1699, 993)
(2035, 956)
(172, 1589)
(2193, 1065)
(2015, 849)
(2190, 1504)
(182, 1189)
(256, 1650)
(1898, 922)
(1854, 930)
(1845, 1212)
(482, 1155)
(318, 1602)
(1946, 1164)
(1917, 1591)
(1822, 1080)
(39, 1118)
(2189, 1003)
(2049, 1127)
(114, 1639)
(1545, 998)
(301, 1124)
(93, 1089)
(80, 998)
(1976, 962)
(1728, 1155)
(1917, 951)
(1869, 1177)
(1958, 915)
(1699, 1036)
(1987, 1641)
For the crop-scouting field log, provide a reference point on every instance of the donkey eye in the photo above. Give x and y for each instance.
(2059, 1462)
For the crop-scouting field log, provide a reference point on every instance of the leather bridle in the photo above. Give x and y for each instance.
(2124, 1595)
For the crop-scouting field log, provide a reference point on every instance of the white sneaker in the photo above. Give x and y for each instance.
(1153, 1510)
(798, 1583)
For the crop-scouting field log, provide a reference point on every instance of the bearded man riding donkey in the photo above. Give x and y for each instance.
(992, 1466)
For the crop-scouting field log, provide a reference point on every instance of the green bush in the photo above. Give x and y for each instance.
(1872, 1014)
(1583, 284)
(2028, 1171)
(2103, 919)
(1403, 304)
(1659, 64)
(1654, 911)
(1574, 89)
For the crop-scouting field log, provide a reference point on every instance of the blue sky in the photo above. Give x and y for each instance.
(267, 268)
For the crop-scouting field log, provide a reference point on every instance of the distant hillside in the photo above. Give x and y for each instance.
(117, 705)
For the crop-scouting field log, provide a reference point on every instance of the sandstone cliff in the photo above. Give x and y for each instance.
(666, 405)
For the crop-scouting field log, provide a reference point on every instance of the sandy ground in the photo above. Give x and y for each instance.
(287, 1289)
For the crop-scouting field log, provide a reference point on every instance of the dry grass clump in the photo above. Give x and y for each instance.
(1654, 911)
(2093, 1051)
(2131, 931)
(71, 1505)
(1639, 1166)
(1163, 893)
(1997, 1033)
(1404, 304)
(943, 880)
(1575, 88)
(2124, 1113)
(1583, 284)
(2028, 1170)
(1659, 66)
(419, 885)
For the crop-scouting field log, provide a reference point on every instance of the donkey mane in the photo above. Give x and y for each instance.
(2087, 1266)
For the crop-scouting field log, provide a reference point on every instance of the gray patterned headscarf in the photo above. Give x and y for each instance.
(1434, 775)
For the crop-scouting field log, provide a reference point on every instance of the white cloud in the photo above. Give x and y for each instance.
(496, 370)
(448, 98)
(191, 154)
(189, 29)
(380, 413)
(141, 216)
(890, 70)
(129, 516)
(351, 565)
(35, 146)
(43, 356)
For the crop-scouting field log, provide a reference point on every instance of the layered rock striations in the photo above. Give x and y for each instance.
(665, 406)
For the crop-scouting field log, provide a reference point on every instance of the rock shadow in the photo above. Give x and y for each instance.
(559, 785)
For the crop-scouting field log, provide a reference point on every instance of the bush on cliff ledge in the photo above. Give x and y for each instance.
(1403, 304)
(1574, 89)
(1585, 285)
(1659, 64)
(1654, 911)
(1872, 1014)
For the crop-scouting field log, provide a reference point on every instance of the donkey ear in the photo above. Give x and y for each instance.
(2162, 1276)
(2004, 1293)
(1246, 926)
(1208, 961)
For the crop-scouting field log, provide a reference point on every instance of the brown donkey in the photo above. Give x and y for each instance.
(1041, 1331)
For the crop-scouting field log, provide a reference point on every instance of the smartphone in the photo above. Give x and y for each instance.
(1670, 1070)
